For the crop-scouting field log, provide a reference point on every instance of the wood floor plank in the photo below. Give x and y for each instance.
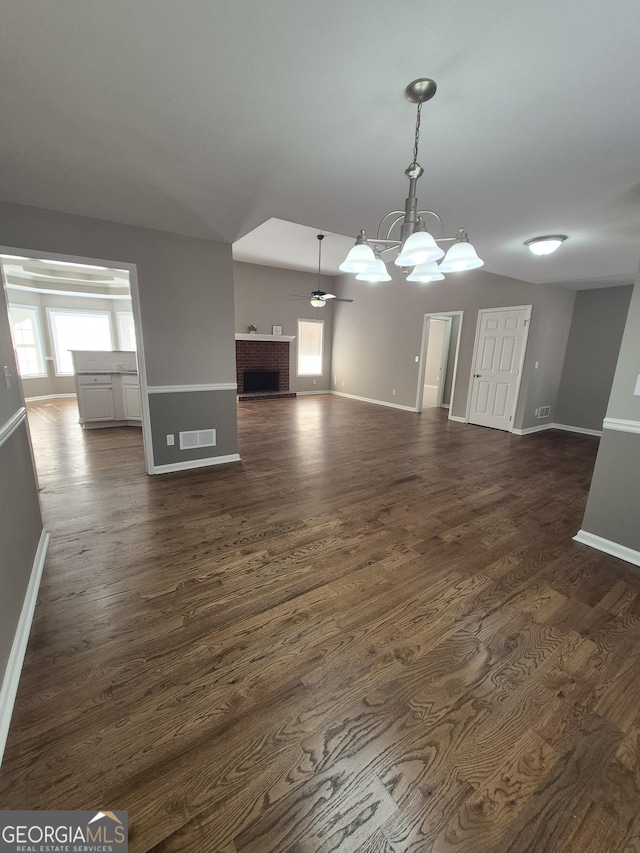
(391, 646)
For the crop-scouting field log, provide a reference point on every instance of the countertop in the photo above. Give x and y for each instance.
(95, 372)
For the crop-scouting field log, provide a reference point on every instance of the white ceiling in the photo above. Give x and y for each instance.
(45, 275)
(211, 117)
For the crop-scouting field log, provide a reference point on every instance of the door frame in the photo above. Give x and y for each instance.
(137, 321)
(422, 363)
(527, 326)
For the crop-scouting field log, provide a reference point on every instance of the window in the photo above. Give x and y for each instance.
(25, 330)
(77, 330)
(310, 337)
(126, 330)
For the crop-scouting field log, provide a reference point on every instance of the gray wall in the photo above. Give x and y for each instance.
(20, 520)
(376, 339)
(172, 413)
(612, 508)
(263, 298)
(592, 352)
(186, 298)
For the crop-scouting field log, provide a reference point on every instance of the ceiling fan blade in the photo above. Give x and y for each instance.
(339, 299)
(297, 296)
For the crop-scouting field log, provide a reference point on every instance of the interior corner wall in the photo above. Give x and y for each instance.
(377, 338)
(263, 299)
(186, 301)
(612, 507)
(592, 353)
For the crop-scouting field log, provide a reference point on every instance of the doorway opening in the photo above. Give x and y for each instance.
(438, 361)
(76, 321)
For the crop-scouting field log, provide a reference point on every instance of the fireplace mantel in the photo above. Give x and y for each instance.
(254, 336)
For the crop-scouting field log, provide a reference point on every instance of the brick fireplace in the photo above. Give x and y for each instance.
(261, 355)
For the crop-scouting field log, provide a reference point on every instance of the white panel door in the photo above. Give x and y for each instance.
(499, 355)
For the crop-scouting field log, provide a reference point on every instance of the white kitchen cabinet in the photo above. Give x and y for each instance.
(131, 398)
(97, 403)
(108, 399)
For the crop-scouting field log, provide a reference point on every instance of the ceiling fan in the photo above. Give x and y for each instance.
(319, 298)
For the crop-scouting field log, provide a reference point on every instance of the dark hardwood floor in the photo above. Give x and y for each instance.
(373, 634)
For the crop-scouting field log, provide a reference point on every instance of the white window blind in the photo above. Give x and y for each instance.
(310, 343)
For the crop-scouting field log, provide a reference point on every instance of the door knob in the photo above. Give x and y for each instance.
(477, 375)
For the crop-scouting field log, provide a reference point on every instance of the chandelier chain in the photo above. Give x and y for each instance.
(417, 137)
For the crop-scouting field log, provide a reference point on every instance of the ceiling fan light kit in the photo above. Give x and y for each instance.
(319, 298)
(416, 247)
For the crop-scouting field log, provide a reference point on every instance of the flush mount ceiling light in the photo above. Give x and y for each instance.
(416, 247)
(545, 245)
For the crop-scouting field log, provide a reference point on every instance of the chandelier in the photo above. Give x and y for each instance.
(418, 250)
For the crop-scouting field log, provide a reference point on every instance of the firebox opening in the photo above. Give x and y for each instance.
(261, 380)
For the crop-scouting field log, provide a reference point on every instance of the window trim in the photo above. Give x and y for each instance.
(119, 315)
(310, 375)
(73, 311)
(38, 342)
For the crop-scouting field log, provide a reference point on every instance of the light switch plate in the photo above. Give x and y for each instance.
(637, 391)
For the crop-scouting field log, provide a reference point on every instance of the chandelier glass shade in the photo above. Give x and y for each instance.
(425, 273)
(378, 272)
(417, 250)
(460, 257)
(360, 259)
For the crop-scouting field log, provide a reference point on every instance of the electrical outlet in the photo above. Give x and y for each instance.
(417, 359)
(314, 381)
(394, 392)
(536, 413)
(171, 439)
(344, 382)
(7, 376)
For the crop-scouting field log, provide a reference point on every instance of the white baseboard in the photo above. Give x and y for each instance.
(609, 547)
(529, 430)
(581, 430)
(309, 393)
(12, 673)
(195, 463)
(564, 427)
(68, 396)
(376, 402)
(457, 419)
